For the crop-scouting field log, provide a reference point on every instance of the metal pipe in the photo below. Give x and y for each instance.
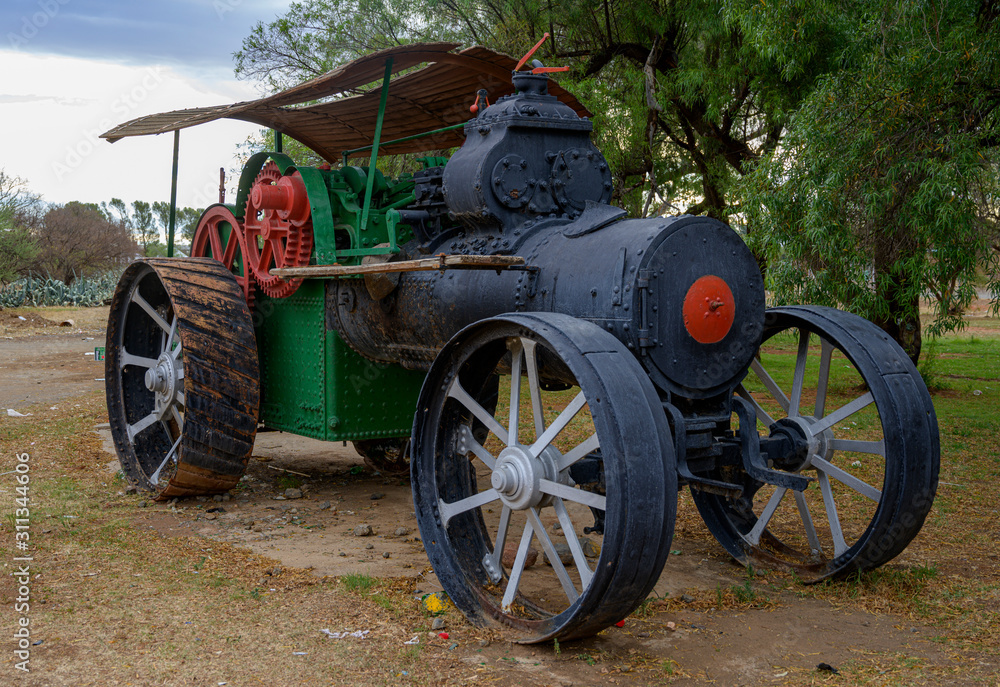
(173, 196)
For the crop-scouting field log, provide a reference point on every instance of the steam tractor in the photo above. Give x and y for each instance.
(549, 371)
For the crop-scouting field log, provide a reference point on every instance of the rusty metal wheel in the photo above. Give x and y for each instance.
(182, 379)
(859, 423)
(578, 429)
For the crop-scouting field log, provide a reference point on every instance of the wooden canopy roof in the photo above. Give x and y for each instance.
(437, 96)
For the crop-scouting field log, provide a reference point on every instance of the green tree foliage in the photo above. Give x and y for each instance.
(682, 102)
(886, 187)
(19, 212)
(185, 222)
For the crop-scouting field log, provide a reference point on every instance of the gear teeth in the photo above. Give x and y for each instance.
(298, 243)
(201, 244)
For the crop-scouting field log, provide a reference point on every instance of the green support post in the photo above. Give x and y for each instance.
(173, 196)
(277, 141)
(373, 161)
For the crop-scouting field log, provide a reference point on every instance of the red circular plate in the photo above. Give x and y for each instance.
(709, 309)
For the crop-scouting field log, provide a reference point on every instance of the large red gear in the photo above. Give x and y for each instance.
(207, 243)
(278, 228)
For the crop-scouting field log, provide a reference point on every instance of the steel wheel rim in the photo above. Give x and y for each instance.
(868, 497)
(525, 480)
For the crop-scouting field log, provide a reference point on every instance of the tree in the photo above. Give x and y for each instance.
(19, 212)
(78, 238)
(886, 187)
(185, 221)
(683, 104)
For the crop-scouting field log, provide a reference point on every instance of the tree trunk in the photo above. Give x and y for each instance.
(902, 322)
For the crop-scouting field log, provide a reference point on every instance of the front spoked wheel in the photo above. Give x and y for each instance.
(840, 392)
(495, 489)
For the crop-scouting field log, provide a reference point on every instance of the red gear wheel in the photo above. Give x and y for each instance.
(208, 243)
(278, 228)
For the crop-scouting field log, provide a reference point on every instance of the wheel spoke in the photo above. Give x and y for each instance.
(800, 374)
(214, 240)
(839, 545)
(231, 246)
(141, 302)
(180, 398)
(574, 543)
(807, 522)
(501, 540)
(534, 385)
(762, 415)
(589, 445)
(550, 551)
(753, 536)
(265, 257)
(517, 569)
(847, 478)
(467, 443)
(842, 413)
(824, 377)
(462, 396)
(450, 510)
(515, 390)
(874, 447)
(587, 498)
(177, 417)
(137, 360)
(771, 385)
(155, 477)
(144, 423)
(278, 249)
(559, 424)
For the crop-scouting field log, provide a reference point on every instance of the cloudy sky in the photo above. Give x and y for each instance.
(72, 69)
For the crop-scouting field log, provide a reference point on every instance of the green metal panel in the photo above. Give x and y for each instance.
(313, 384)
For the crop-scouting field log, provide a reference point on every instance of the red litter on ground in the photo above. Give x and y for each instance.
(620, 623)
(443, 635)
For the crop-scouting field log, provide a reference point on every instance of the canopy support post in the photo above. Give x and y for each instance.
(173, 196)
(373, 161)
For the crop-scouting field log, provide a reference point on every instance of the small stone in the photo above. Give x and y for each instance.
(565, 555)
(401, 531)
(385, 554)
(279, 497)
(293, 493)
(484, 643)
(144, 504)
(211, 516)
(217, 498)
(131, 489)
(591, 549)
(342, 554)
(671, 626)
(362, 531)
(437, 624)
(369, 546)
(67, 323)
(325, 505)
(226, 497)
(258, 528)
(293, 511)
(686, 598)
(201, 499)
(510, 554)
(378, 496)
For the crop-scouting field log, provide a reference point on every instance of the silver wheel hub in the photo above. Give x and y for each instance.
(820, 444)
(164, 380)
(517, 476)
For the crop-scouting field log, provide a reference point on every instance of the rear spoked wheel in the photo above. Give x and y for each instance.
(857, 410)
(181, 377)
(513, 487)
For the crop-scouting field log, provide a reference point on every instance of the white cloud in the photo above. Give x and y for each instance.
(55, 109)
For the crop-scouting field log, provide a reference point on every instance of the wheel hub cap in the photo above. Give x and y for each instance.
(517, 476)
(164, 381)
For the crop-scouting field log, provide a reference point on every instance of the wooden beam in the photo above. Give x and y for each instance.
(438, 262)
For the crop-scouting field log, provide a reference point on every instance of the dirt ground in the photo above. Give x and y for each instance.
(780, 638)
